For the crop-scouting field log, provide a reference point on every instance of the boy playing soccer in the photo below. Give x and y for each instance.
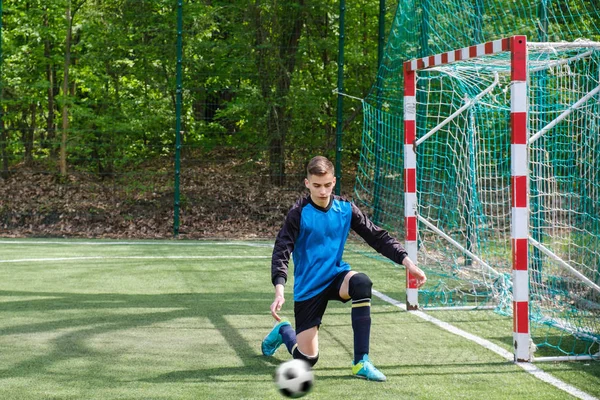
(315, 232)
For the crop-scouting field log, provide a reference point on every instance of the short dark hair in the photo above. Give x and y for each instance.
(319, 165)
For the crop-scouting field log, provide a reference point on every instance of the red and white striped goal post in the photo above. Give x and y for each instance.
(517, 46)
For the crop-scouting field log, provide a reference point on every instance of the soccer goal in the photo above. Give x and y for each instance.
(502, 188)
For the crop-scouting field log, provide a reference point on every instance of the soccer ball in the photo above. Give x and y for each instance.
(294, 378)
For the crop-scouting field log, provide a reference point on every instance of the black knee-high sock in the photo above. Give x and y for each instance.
(361, 324)
(288, 334)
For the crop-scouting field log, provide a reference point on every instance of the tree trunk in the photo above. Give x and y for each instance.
(28, 132)
(65, 90)
(276, 144)
(47, 140)
(3, 140)
(281, 34)
(324, 29)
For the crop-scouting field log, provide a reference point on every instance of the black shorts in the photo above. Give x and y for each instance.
(308, 313)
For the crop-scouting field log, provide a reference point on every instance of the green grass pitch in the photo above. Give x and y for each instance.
(184, 320)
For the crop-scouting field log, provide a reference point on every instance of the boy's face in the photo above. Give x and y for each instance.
(320, 187)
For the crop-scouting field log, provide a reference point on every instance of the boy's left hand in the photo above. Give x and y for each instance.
(415, 272)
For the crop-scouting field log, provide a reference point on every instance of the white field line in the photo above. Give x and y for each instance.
(131, 258)
(530, 368)
(133, 243)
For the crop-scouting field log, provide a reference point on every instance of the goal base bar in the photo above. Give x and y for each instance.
(566, 358)
(459, 308)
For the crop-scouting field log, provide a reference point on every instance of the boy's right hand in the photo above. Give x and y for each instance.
(278, 302)
(276, 306)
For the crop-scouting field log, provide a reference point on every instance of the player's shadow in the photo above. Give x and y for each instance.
(98, 314)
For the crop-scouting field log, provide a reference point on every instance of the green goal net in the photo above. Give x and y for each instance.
(464, 168)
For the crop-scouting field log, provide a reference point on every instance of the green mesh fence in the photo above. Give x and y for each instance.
(463, 171)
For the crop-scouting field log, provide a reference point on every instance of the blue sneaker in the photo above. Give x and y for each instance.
(273, 340)
(366, 370)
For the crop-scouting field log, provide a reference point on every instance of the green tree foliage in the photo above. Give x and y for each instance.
(258, 77)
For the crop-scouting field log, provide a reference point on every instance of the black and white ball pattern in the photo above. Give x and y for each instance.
(294, 378)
